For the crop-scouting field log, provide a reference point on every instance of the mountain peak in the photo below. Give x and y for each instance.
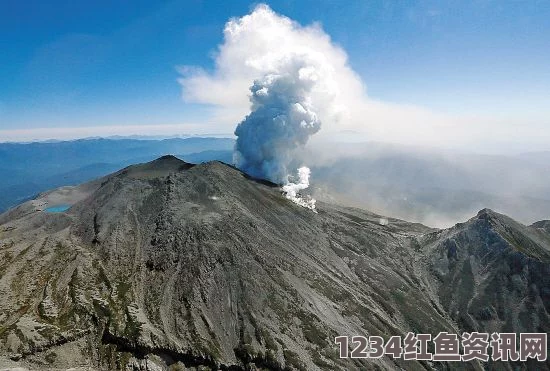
(529, 240)
(485, 213)
(168, 161)
(497, 218)
(168, 158)
(161, 167)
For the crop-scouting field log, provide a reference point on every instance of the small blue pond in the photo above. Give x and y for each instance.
(57, 209)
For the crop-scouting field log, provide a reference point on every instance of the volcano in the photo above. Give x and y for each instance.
(169, 265)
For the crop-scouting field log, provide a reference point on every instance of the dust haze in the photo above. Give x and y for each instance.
(433, 186)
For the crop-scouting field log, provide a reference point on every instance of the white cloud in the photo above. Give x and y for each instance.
(256, 43)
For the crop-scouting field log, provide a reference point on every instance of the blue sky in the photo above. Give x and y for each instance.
(69, 64)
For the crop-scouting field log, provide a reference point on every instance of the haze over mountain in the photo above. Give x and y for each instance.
(435, 187)
(171, 265)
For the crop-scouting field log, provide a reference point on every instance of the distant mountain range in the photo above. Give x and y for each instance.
(30, 168)
(429, 186)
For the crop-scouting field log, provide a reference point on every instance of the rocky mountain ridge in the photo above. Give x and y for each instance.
(168, 265)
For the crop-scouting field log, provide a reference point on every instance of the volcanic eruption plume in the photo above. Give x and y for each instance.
(292, 74)
(281, 120)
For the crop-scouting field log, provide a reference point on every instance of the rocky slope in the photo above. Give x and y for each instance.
(492, 274)
(167, 265)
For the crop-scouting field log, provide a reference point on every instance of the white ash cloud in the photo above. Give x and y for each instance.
(285, 98)
(281, 121)
(264, 43)
(258, 43)
(293, 75)
(286, 79)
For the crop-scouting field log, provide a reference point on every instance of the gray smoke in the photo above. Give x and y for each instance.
(281, 120)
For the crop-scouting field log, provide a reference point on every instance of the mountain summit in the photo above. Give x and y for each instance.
(169, 265)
